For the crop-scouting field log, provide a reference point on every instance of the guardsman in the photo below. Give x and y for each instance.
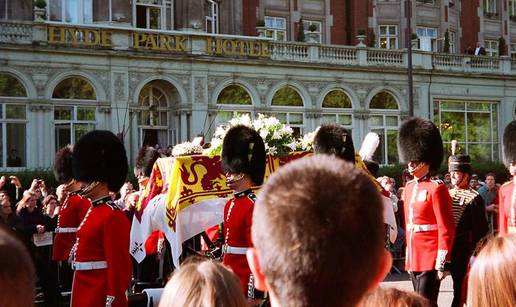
(100, 256)
(243, 163)
(469, 214)
(507, 192)
(428, 208)
(70, 215)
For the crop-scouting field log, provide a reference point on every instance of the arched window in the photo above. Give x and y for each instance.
(153, 118)
(234, 94)
(384, 100)
(384, 120)
(13, 122)
(74, 113)
(74, 88)
(337, 108)
(287, 96)
(10, 86)
(233, 98)
(287, 106)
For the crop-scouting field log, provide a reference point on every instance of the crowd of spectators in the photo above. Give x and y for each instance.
(280, 253)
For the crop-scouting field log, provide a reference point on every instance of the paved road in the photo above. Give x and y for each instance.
(402, 281)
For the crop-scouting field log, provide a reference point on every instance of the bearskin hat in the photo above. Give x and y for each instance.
(335, 140)
(63, 164)
(509, 143)
(420, 140)
(243, 151)
(145, 160)
(100, 156)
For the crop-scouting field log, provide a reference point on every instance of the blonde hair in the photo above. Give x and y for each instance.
(492, 279)
(203, 283)
(395, 298)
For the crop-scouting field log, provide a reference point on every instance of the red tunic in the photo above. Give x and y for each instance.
(238, 216)
(430, 226)
(70, 215)
(102, 236)
(507, 208)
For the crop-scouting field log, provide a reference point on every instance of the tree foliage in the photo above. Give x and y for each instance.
(383, 100)
(336, 99)
(74, 88)
(234, 94)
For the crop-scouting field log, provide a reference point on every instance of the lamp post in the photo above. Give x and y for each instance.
(408, 43)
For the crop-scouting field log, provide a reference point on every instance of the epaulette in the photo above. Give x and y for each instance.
(438, 181)
(252, 197)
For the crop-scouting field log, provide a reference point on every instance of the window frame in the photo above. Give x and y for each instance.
(491, 47)
(494, 134)
(490, 7)
(427, 38)
(387, 36)
(306, 25)
(164, 17)
(276, 30)
(4, 121)
(80, 12)
(160, 110)
(337, 112)
(214, 18)
(73, 121)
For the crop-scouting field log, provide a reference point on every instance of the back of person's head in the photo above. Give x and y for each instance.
(317, 242)
(332, 139)
(393, 297)
(203, 283)
(492, 279)
(17, 276)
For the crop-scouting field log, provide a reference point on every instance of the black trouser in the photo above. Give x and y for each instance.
(426, 284)
(65, 276)
(458, 272)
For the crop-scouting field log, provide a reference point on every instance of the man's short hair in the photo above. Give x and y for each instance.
(318, 232)
(491, 174)
(335, 140)
(17, 276)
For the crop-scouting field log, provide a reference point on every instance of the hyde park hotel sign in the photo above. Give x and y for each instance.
(158, 42)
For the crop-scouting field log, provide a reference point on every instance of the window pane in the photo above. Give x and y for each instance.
(13, 111)
(479, 106)
(383, 30)
(63, 135)
(391, 121)
(234, 94)
(224, 116)
(452, 105)
(11, 86)
(479, 127)
(376, 121)
(15, 134)
(63, 113)
(329, 118)
(287, 96)
(163, 118)
(345, 120)
(2, 145)
(82, 129)
(280, 35)
(86, 114)
(282, 117)
(269, 22)
(379, 154)
(392, 148)
(155, 18)
(295, 118)
(392, 30)
(453, 126)
(480, 152)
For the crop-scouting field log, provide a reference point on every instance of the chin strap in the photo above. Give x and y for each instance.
(109, 300)
(87, 189)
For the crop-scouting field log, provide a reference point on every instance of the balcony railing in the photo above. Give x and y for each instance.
(245, 47)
